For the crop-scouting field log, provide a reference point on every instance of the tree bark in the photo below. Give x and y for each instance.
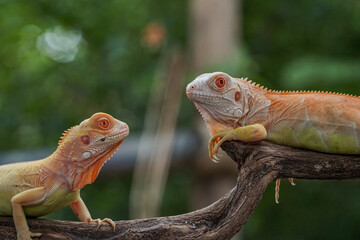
(259, 164)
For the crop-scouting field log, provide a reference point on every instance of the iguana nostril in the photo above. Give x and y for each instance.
(190, 87)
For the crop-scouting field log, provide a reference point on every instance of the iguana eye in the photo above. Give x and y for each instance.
(103, 123)
(220, 82)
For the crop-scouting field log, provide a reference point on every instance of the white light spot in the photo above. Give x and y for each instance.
(59, 44)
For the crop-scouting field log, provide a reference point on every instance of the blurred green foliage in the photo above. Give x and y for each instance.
(311, 210)
(111, 72)
(322, 73)
(305, 44)
(61, 61)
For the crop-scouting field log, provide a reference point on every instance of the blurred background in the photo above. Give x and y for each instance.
(62, 61)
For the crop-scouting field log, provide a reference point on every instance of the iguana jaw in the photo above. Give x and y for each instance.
(93, 166)
(212, 124)
(84, 149)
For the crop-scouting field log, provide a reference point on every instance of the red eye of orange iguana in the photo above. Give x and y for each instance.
(103, 123)
(220, 82)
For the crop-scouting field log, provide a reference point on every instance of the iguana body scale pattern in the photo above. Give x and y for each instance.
(238, 109)
(319, 121)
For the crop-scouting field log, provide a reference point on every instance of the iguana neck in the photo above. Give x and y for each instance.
(75, 174)
(255, 105)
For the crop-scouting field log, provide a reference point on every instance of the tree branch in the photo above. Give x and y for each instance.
(259, 164)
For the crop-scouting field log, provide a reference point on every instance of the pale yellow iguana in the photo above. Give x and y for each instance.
(238, 109)
(37, 188)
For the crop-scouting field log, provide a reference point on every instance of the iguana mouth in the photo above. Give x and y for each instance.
(119, 135)
(202, 97)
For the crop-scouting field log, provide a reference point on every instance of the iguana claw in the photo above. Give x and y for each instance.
(215, 159)
(105, 220)
(27, 235)
(291, 180)
(249, 133)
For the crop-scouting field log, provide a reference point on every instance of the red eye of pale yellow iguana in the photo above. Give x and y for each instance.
(40, 187)
(220, 82)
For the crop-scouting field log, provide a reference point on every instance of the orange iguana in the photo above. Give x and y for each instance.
(40, 187)
(238, 109)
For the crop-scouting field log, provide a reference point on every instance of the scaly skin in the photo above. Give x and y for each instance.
(236, 109)
(40, 187)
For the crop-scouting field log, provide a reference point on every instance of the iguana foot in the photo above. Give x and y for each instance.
(105, 220)
(27, 235)
(250, 133)
(214, 145)
(277, 188)
(291, 180)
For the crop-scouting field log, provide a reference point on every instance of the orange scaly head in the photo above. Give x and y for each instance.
(85, 148)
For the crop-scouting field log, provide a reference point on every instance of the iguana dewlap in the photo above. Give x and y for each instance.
(37, 188)
(238, 109)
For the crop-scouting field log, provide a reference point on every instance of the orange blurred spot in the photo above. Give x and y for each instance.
(154, 35)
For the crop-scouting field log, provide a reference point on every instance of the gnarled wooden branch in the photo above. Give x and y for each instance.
(259, 164)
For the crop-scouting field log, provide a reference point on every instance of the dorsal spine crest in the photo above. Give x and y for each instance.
(65, 134)
(295, 91)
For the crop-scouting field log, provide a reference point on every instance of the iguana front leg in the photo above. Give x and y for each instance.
(27, 198)
(83, 213)
(249, 133)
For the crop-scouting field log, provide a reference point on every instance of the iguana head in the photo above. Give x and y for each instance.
(223, 101)
(86, 147)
